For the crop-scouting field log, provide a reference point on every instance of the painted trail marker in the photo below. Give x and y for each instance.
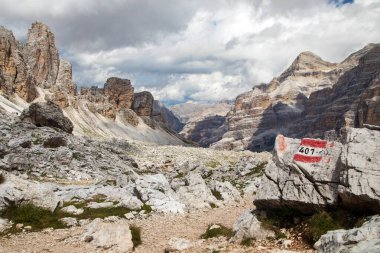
(312, 151)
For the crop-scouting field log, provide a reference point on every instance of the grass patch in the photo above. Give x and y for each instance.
(212, 205)
(2, 179)
(136, 235)
(216, 232)
(258, 170)
(30, 215)
(217, 194)
(179, 175)
(93, 213)
(247, 242)
(207, 174)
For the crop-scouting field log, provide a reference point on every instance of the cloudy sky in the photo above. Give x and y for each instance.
(195, 50)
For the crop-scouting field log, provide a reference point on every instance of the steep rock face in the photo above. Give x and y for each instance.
(119, 92)
(13, 71)
(351, 102)
(165, 116)
(341, 172)
(309, 98)
(64, 89)
(41, 55)
(143, 103)
(203, 123)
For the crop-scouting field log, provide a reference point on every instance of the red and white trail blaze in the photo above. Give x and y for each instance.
(311, 151)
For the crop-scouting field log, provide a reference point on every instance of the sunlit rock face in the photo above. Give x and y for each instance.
(309, 98)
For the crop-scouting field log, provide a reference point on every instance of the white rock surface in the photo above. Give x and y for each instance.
(365, 239)
(69, 221)
(73, 210)
(110, 235)
(179, 244)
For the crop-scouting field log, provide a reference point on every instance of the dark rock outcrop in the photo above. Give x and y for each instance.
(47, 114)
(162, 114)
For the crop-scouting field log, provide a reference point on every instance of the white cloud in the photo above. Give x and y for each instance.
(197, 50)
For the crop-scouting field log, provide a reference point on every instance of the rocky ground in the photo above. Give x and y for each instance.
(60, 192)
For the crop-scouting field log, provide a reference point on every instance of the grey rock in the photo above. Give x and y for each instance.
(114, 236)
(248, 226)
(72, 210)
(69, 221)
(47, 114)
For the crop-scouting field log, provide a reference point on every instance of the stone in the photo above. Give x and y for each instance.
(69, 221)
(129, 216)
(196, 194)
(176, 244)
(55, 142)
(19, 226)
(64, 89)
(114, 236)
(72, 210)
(96, 205)
(357, 240)
(28, 228)
(23, 142)
(4, 225)
(47, 114)
(248, 226)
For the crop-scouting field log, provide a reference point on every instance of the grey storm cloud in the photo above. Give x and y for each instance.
(193, 49)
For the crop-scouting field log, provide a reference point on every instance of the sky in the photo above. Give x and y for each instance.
(195, 50)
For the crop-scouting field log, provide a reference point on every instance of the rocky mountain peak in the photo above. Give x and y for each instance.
(41, 55)
(305, 63)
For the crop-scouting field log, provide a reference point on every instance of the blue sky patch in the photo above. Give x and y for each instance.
(339, 3)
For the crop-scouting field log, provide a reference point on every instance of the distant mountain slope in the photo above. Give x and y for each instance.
(308, 98)
(203, 123)
(34, 72)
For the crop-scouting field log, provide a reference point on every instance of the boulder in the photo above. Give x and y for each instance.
(344, 171)
(248, 226)
(47, 114)
(357, 240)
(108, 235)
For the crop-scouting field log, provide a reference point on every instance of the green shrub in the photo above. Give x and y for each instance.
(136, 236)
(258, 170)
(216, 232)
(319, 224)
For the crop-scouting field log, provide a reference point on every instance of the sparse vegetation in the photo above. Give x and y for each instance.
(78, 156)
(136, 235)
(247, 242)
(216, 232)
(147, 208)
(319, 224)
(30, 215)
(212, 164)
(258, 170)
(217, 194)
